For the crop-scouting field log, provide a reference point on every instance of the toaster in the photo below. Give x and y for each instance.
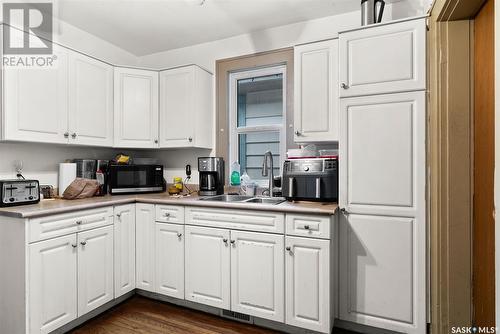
(19, 192)
(311, 179)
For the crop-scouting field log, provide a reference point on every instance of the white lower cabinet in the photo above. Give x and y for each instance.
(145, 254)
(95, 269)
(308, 283)
(52, 283)
(257, 275)
(169, 245)
(207, 266)
(124, 249)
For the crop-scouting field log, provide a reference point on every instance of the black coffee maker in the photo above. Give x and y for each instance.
(211, 170)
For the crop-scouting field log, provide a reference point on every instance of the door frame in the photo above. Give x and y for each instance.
(450, 180)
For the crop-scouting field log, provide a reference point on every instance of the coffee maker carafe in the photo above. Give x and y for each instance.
(211, 170)
(369, 12)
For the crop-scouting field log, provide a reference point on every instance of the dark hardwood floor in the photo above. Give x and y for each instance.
(146, 316)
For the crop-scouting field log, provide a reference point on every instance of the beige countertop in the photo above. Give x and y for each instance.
(55, 206)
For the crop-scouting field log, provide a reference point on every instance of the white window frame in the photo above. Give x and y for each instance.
(235, 131)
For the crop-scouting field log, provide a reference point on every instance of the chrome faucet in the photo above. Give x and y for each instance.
(267, 170)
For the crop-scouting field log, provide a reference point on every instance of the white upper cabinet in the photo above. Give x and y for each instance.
(90, 101)
(124, 237)
(135, 108)
(36, 102)
(383, 59)
(186, 117)
(257, 275)
(316, 93)
(382, 154)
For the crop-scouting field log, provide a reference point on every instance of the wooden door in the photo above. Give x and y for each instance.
(207, 266)
(170, 260)
(90, 101)
(145, 247)
(316, 92)
(308, 283)
(124, 229)
(484, 166)
(36, 102)
(136, 108)
(52, 283)
(383, 59)
(177, 102)
(95, 269)
(257, 275)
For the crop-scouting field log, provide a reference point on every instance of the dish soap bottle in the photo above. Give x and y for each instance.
(235, 174)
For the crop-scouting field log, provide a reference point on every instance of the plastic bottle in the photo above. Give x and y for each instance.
(235, 174)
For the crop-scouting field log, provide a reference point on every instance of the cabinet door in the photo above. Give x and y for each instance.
(382, 272)
(95, 269)
(52, 283)
(90, 101)
(124, 229)
(145, 247)
(36, 102)
(207, 266)
(382, 154)
(316, 94)
(383, 59)
(136, 108)
(170, 260)
(177, 92)
(308, 284)
(257, 275)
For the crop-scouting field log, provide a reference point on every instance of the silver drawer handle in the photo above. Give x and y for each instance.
(79, 222)
(307, 227)
(166, 214)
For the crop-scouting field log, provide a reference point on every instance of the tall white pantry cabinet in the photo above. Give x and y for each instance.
(382, 266)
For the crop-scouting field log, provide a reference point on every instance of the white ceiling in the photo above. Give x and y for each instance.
(143, 27)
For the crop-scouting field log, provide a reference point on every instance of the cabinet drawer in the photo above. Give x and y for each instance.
(236, 219)
(169, 214)
(313, 226)
(53, 226)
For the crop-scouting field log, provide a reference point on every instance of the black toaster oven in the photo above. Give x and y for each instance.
(311, 179)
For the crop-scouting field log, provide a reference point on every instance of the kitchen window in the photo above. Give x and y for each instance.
(257, 118)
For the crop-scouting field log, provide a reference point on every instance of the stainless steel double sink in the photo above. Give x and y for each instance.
(244, 199)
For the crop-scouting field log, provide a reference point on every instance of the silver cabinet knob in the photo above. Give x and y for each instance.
(190, 139)
(118, 215)
(79, 222)
(73, 245)
(224, 241)
(288, 249)
(73, 135)
(233, 242)
(166, 214)
(156, 141)
(344, 86)
(66, 134)
(344, 211)
(306, 227)
(179, 235)
(297, 133)
(83, 243)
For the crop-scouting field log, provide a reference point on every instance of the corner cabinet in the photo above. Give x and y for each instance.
(316, 94)
(135, 108)
(186, 117)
